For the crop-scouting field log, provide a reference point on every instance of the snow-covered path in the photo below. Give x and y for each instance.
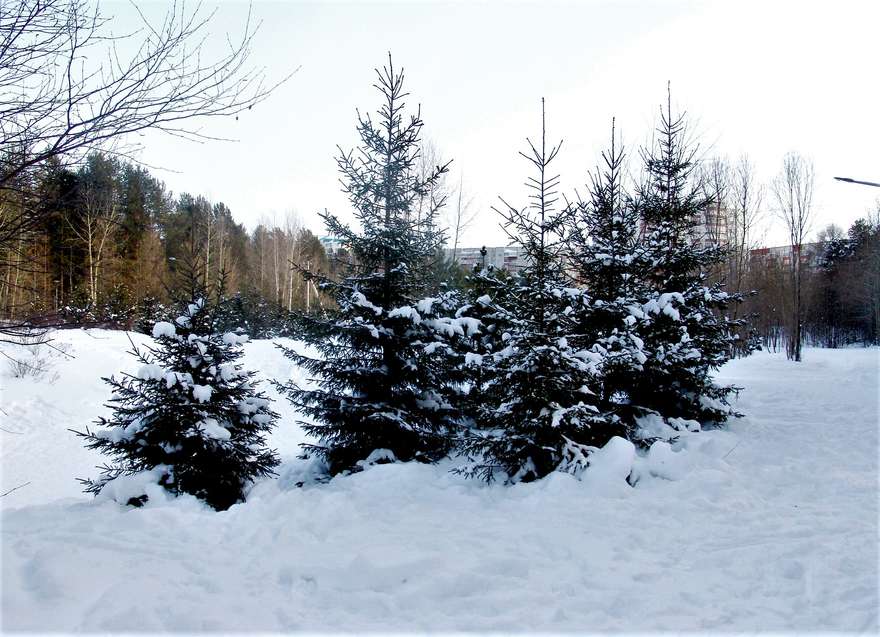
(772, 526)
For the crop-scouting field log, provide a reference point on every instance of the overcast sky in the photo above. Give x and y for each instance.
(762, 79)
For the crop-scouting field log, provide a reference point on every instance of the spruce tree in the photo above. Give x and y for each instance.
(191, 420)
(382, 390)
(685, 330)
(535, 390)
(485, 291)
(248, 311)
(606, 255)
(149, 312)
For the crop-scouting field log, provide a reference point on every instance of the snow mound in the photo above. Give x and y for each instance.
(124, 488)
(231, 338)
(610, 467)
(665, 462)
(164, 328)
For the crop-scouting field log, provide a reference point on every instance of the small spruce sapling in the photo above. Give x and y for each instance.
(190, 421)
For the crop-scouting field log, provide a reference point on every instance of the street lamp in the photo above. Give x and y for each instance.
(856, 181)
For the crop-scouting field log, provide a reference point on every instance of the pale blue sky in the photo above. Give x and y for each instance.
(762, 78)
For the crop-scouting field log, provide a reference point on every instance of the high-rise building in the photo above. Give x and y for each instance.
(509, 258)
(810, 256)
(711, 228)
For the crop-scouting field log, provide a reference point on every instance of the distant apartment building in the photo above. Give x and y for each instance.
(509, 258)
(810, 255)
(711, 228)
(332, 245)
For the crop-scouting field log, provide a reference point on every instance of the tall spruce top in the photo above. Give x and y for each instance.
(603, 236)
(540, 226)
(397, 243)
(672, 197)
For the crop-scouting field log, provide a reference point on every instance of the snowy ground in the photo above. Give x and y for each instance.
(771, 526)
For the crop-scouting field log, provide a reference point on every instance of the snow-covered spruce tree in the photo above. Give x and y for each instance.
(606, 256)
(685, 330)
(536, 396)
(190, 421)
(383, 390)
(482, 302)
(249, 311)
(149, 312)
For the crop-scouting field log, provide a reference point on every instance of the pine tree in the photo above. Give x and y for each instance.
(536, 400)
(606, 255)
(383, 390)
(191, 420)
(685, 330)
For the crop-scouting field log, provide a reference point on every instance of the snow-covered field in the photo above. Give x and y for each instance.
(770, 526)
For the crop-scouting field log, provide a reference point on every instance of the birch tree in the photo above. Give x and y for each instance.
(98, 219)
(793, 194)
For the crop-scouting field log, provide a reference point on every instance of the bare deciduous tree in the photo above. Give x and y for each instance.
(793, 194)
(461, 218)
(434, 198)
(68, 87)
(743, 215)
(716, 179)
(292, 230)
(99, 217)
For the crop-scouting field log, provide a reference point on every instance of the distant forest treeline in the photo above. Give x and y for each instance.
(110, 237)
(840, 289)
(843, 302)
